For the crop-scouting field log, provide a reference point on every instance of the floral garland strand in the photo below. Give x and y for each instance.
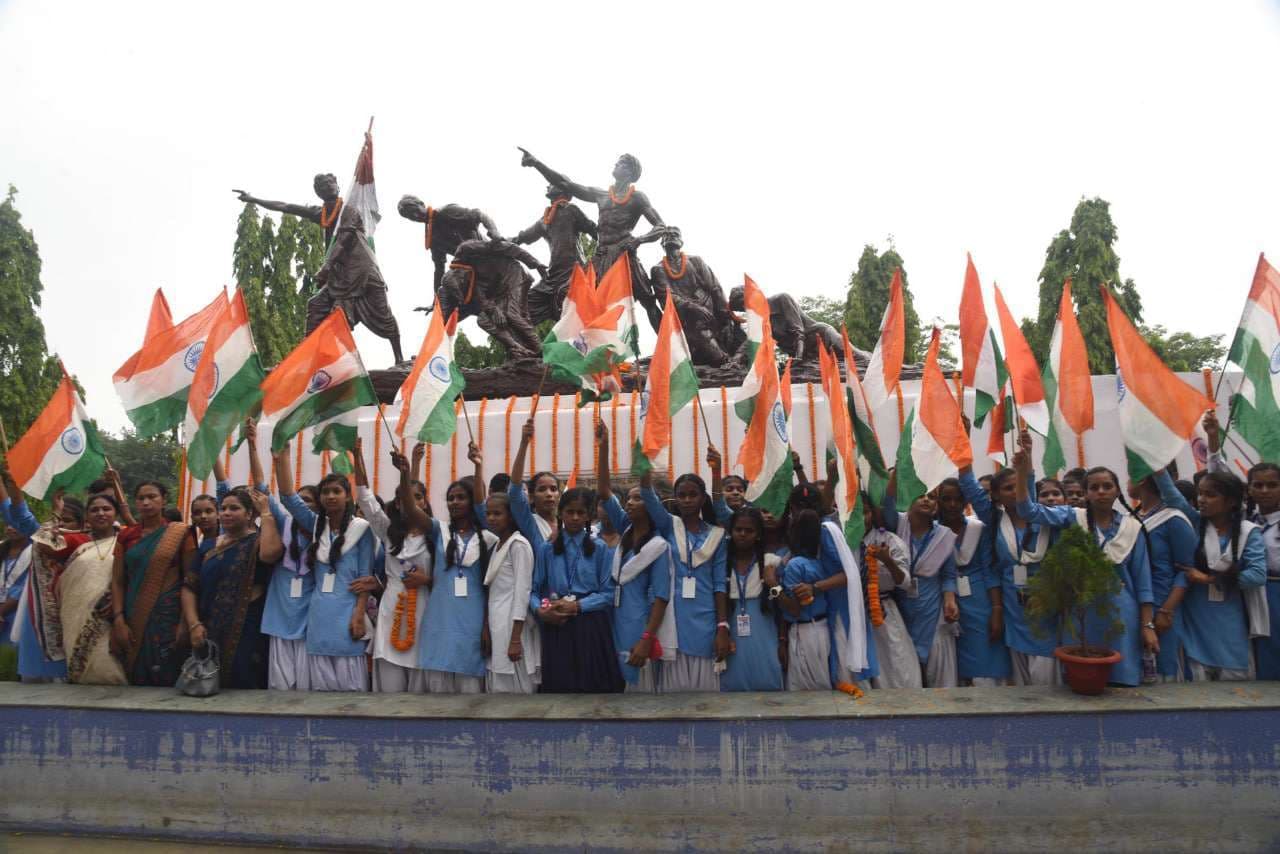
(724, 421)
(613, 434)
(555, 431)
(696, 455)
(813, 436)
(873, 588)
(506, 433)
(328, 218)
(533, 443)
(484, 404)
(406, 603)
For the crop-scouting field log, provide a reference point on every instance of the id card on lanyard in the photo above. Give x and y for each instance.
(689, 585)
(744, 619)
(460, 580)
(913, 587)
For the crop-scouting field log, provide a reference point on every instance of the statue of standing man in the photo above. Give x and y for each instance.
(350, 277)
(621, 207)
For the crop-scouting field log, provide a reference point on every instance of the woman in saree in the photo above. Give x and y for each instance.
(224, 588)
(146, 584)
(84, 589)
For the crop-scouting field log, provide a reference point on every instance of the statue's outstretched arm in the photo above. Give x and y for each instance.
(579, 191)
(307, 212)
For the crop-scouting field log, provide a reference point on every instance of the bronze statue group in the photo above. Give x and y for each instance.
(521, 585)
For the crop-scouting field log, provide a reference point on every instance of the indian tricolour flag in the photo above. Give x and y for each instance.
(153, 383)
(1024, 374)
(1158, 411)
(759, 331)
(1068, 386)
(321, 384)
(61, 450)
(870, 458)
(596, 331)
(983, 369)
(427, 397)
(849, 491)
(934, 443)
(765, 455)
(885, 367)
(362, 195)
(671, 385)
(225, 389)
(1255, 407)
(161, 318)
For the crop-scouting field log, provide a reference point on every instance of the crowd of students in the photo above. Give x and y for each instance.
(522, 586)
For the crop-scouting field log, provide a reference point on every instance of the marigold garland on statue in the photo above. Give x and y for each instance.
(622, 201)
(328, 218)
(549, 215)
(684, 265)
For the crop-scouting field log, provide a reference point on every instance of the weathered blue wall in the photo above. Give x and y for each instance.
(1173, 768)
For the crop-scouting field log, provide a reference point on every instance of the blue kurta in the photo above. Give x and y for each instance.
(837, 607)
(1267, 650)
(1173, 543)
(1018, 635)
(804, 570)
(637, 596)
(284, 616)
(923, 611)
(329, 614)
(977, 657)
(1135, 591)
(754, 664)
(573, 571)
(452, 624)
(696, 617)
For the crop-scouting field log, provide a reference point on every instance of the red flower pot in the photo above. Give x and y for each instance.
(1085, 675)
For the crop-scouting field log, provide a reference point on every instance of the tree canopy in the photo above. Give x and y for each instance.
(28, 373)
(868, 296)
(275, 267)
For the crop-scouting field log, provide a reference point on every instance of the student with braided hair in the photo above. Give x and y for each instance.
(1124, 540)
(1172, 542)
(284, 617)
(1225, 602)
(340, 551)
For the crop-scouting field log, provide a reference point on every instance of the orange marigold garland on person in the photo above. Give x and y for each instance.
(406, 603)
(549, 215)
(873, 587)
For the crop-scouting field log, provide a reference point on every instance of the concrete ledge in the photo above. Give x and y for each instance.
(1175, 767)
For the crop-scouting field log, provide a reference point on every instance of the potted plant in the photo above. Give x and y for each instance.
(1076, 586)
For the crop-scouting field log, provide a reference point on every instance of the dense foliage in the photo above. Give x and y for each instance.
(869, 294)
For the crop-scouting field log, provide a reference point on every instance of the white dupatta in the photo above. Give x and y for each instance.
(856, 643)
(623, 572)
(1255, 598)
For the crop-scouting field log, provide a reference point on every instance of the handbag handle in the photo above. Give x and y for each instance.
(210, 652)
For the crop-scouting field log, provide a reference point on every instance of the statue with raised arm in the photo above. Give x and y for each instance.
(350, 277)
(485, 279)
(445, 229)
(561, 225)
(795, 332)
(324, 214)
(621, 206)
(710, 327)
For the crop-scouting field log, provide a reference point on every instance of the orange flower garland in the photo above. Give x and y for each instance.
(696, 455)
(297, 468)
(328, 218)
(555, 432)
(684, 266)
(406, 603)
(814, 472)
(873, 588)
(549, 214)
(613, 433)
(631, 191)
(902, 411)
(849, 688)
(506, 442)
(724, 421)
(533, 442)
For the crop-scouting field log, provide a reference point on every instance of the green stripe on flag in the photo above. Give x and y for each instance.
(1139, 469)
(683, 387)
(337, 437)
(230, 405)
(1255, 422)
(910, 487)
(775, 495)
(159, 416)
(322, 406)
(640, 464)
(1053, 460)
(855, 527)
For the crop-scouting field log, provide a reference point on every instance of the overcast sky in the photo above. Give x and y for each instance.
(779, 137)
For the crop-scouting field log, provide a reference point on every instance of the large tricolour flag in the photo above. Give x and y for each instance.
(1158, 411)
(881, 377)
(427, 397)
(61, 449)
(1255, 407)
(1068, 386)
(1024, 374)
(983, 369)
(596, 331)
(759, 333)
(153, 383)
(765, 455)
(161, 318)
(871, 467)
(934, 443)
(671, 385)
(225, 389)
(321, 384)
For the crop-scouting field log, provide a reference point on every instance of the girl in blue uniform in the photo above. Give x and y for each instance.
(928, 601)
(1172, 543)
(1020, 545)
(982, 659)
(572, 595)
(754, 664)
(1264, 511)
(1225, 581)
(1123, 539)
(729, 491)
(701, 596)
(340, 551)
(535, 511)
(641, 577)
(455, 633)
(808, 642)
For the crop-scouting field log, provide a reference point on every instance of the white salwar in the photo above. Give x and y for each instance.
(395, 670)
(509, 579)
(440, 682)
(1034, 669)
(808, 657)
(338, 673)
(287, 668)
(895, 651)
(942, 670)
(688, 673)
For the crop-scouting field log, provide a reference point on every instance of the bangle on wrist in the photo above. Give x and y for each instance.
(1167, 612)
(645, 636)
(723, 624)
(194, 626)
(999, 607)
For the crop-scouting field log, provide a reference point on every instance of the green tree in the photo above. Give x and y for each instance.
(275, 267)
(140, 460)
(868, 296)
(1182, 351)
(473, 356)
(824, 310)
(1084, 253)
(28, 373)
